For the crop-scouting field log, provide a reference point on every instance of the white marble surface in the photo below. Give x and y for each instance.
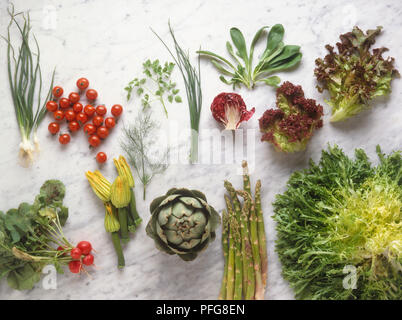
(107, 41)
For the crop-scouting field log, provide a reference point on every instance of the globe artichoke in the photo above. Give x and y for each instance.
(182, 223)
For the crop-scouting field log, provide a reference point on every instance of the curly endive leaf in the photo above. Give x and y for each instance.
(342, 212)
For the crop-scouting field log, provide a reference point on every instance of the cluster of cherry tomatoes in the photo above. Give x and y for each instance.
(77, 116)
(81, 255)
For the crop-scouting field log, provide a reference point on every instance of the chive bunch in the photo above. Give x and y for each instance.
(244, 243)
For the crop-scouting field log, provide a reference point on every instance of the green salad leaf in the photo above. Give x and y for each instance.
(276, 57)
(343, 213)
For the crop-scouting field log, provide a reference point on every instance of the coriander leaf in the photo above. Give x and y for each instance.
(159, 86)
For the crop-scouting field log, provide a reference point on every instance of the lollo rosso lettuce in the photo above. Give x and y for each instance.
(291, 125)
(354, 75)
(342, 219)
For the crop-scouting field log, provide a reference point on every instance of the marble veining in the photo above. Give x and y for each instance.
(107, 41)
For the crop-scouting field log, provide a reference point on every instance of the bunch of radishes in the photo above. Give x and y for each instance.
(81, 256)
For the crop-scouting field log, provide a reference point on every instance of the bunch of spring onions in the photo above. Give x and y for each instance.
(192, 82)
(244, 243)
(25, 78)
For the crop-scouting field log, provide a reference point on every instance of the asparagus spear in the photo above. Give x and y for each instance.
(243, 228)
(246, 177)
(259, 288)
(250, 289)
(238, 290)
(231, 267)
(225, 247)
(262, 241)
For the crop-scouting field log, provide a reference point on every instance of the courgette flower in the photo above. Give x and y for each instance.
(99, 184)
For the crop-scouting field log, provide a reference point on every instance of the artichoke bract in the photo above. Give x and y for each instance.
(182, 223)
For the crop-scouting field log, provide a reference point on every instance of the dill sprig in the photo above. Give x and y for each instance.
(25, 78)
(192, 81)
(138, 138)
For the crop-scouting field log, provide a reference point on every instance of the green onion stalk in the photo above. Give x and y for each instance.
(192, 82)
(25, 78)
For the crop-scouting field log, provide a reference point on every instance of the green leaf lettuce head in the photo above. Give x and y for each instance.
(182, 223)
(354, 75)
(342, 212)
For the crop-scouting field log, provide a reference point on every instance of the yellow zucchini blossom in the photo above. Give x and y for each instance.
(99, 184)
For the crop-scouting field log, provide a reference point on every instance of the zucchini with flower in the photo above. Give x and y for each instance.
(354, 76)
(25, 80)
(338, 213)
(121, 216)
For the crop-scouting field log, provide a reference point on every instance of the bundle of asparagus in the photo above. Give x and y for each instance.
(244, 243)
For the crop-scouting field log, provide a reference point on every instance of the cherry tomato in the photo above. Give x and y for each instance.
(97, 121)
(74, 126)
(89, 110)
(89, 128)
(82, 83)
(53, 127)
(75, 266)
(64, 138)
(76, 253)
(110, 122)
(94, 140)
(91, 94)
(57, 91)
(51, 106)
(102, 132)
(58, 115)
(74, 97)
(88, 260)
(81, 117)
(69, 115)
(101, 157)
(85, 247)
(64, 103)
(77, 107)
(101, 110)
(117, 110)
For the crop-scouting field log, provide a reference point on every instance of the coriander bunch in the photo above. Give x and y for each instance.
(156, 85)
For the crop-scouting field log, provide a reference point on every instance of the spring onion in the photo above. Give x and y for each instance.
(25, 77)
